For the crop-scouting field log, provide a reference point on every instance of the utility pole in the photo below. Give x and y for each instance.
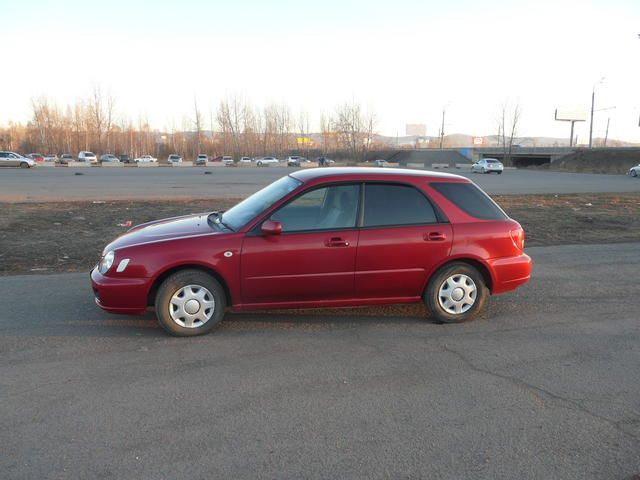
(442, 130)
(606, 135)
(593, 97)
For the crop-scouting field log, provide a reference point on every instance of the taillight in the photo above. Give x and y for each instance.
(517, 236)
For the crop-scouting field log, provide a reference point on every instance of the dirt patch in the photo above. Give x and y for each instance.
(598, 160)
(69, 236)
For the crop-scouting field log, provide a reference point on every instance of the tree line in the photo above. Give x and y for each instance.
(236, 127)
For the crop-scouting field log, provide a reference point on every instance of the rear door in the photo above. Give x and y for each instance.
(401, 240)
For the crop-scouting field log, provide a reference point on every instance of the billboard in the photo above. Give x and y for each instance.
(416, 129)
(571, 114)
(478, 140)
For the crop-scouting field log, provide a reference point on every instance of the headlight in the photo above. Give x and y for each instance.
(106, 262)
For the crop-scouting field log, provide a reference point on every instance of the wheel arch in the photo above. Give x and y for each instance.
(482, 267)
(151, 296)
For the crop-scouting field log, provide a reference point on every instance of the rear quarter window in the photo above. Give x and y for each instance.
(470, 199)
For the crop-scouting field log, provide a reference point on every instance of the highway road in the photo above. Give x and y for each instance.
(54, 184)
(545, 385)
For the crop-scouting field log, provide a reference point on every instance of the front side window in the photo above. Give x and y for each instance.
(386, 205)
(250, 207)
(327, 208)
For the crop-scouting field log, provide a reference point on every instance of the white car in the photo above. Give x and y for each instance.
(51, 158)
(267, 161)
(12, 159)
(227, 160)
(173, 158)
(146, 159)
(635, 171)
(88, 157)
(487, 165)
(245, 160)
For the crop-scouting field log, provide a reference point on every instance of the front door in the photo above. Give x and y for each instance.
(313, 259)
(400, 242)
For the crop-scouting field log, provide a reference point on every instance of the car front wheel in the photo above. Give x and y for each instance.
(634, 173)
(24, 165)
(190, 303)
(456, 293)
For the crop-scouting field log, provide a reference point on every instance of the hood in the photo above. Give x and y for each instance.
(166, 229)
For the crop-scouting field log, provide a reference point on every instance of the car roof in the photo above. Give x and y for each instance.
(368, 173)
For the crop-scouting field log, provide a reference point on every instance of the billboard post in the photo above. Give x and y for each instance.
(572, 116)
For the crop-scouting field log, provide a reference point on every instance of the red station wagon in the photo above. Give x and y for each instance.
(326, 237)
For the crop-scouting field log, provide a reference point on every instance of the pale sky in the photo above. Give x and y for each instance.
(405, 59)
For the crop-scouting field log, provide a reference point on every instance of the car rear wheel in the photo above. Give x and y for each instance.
(456, 293)
(190, 303)
(634, 173)
(499, 172)
(24, 165)
(484, 170)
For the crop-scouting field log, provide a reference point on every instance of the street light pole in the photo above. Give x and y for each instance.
(593, 97)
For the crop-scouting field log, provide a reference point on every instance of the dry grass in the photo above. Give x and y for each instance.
(69, 236)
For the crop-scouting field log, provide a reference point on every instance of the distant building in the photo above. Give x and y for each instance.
(416, 129)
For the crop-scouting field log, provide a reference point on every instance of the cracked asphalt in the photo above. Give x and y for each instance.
(546, 385)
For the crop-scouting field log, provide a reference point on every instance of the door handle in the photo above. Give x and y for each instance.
(434, 237)
(336, 242)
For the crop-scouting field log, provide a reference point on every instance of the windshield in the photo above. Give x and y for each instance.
(238, 216)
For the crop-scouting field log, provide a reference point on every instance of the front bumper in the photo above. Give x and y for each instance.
(510, 272)
(120, 294)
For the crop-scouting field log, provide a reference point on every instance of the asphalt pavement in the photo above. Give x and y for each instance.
(55, 184)
(546, 385)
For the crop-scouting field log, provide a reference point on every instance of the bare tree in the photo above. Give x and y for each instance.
(508, 121)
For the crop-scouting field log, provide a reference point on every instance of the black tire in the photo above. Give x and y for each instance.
(634, 173)
(499, 173)
(259, 164)
(24, 165)
(172, 285)
(431, 293)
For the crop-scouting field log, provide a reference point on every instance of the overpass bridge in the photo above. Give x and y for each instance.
(520, 156)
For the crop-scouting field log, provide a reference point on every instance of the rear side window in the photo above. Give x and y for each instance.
(386, 205)
(470, 199)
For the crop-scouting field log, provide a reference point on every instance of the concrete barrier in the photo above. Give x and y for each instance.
(79, 164)
(463, 166)
(147, 164)
(45, 164)
(112, 164)
(439, 165)
(181, 164)
(212, 164)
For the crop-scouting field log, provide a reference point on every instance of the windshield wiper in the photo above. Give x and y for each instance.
(218, 219)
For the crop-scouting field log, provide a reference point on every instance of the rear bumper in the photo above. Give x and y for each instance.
(510, 272)
(120, 295)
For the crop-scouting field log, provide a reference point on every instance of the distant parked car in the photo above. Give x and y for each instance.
(635, 171)
(381, 163)
(124, 158)
(294, 161)
(109, 158)
(174, 158)
(146, 159)
(227, 160)
(267, 161)
(51, 158)
(88, 157)
(487, 165)
(36, 157)
(12, 159)
(202, 159)
(245, 160)
(65, 158)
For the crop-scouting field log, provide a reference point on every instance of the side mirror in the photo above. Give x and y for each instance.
(271, 227)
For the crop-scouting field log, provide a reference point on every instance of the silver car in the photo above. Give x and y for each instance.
(12, 159)
(487, 165)
(635, 171)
